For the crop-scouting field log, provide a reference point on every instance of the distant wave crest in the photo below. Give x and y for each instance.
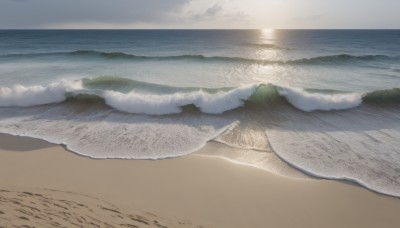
(318, 60)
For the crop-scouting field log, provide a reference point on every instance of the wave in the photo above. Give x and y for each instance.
(313, 101)
(24, 96)
(383, 96)
(394, 69)
(86, 122)
(169, 104)
(123, 95)
(319, 60)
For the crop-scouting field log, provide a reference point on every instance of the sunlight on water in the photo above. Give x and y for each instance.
(266, 46)
(268, 34)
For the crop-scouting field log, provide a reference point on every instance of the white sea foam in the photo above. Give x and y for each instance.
(360, 145)
(19, 95)
(307, 101)
(140, 102)
(330, 144)
(134, 102)
(109, 134)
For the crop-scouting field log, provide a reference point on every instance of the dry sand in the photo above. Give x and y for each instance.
(26, 207)
(191, 191)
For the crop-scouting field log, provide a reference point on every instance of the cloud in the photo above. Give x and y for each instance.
(120, 14)
(213, 11)
(216, 12)
(210, 13)
(42, 13)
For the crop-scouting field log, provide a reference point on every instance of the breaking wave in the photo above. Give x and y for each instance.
(145, 98)
(23, 96)
(103, 118)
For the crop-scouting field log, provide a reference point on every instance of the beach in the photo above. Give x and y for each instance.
(189, 191)
(200, 128)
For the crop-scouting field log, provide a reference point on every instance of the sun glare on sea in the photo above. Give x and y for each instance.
(267, 30)
(267, 35)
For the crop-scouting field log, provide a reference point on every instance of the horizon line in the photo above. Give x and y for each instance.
(199, 28)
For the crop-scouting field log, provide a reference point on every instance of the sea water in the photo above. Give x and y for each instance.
(325, 101)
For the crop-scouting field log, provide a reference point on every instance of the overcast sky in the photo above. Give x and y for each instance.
(199, 14)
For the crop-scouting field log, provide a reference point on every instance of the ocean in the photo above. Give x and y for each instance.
(325, 101)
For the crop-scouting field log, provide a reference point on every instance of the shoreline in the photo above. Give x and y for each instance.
(198, 188)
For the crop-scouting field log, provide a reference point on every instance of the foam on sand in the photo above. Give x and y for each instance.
(101, 132)
(360, 145)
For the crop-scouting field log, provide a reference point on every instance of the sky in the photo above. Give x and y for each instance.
(199, 14)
